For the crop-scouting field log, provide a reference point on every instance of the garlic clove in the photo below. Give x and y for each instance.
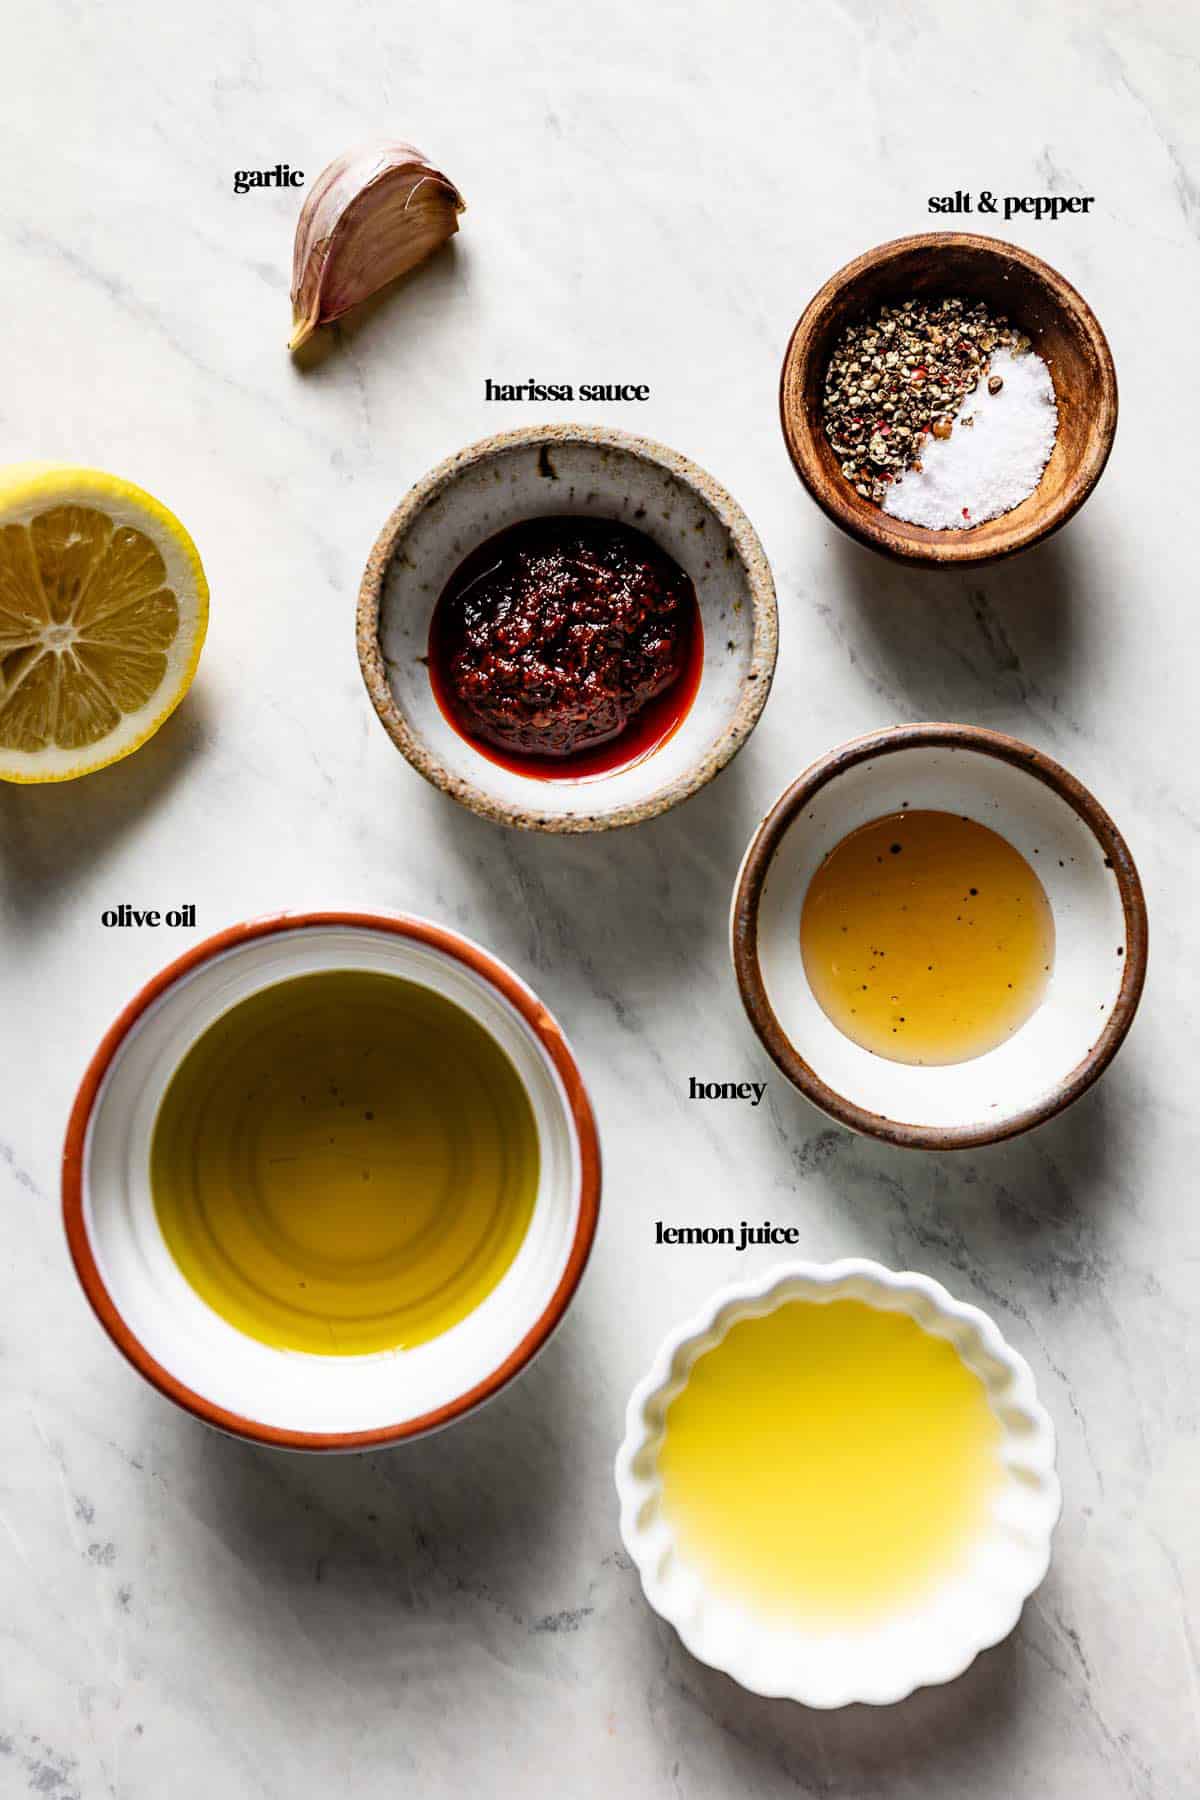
(373, 214)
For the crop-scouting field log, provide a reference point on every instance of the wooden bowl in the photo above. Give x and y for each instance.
(1036, 299)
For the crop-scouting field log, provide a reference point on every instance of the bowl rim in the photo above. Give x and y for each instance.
(554, 1046)
(756, 685)
(757, 1296)
(751, 880)
(944, 549)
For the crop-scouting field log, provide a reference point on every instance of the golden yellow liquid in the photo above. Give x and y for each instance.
(828, 1463)
(927, 938)
(344, 1163)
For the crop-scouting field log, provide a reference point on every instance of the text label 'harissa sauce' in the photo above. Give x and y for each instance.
(927, 938)
(565, 648)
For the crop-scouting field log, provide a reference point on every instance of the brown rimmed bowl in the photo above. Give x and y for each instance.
(1090, 881)
(591, 471)
(1034, 297)
(158, 1321)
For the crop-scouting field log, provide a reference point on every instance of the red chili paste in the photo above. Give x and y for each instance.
(566, 647)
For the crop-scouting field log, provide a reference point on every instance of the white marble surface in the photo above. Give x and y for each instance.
(655, 191)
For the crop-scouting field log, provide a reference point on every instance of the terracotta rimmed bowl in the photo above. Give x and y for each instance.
(1034, 297)
(158, 1321)
(1090, 881)
(881, 1658)
(600, 473)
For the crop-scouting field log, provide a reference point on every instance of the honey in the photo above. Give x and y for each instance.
(829, 1463)
(927, 938)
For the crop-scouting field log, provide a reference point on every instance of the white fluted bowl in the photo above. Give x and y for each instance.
(880, 1660)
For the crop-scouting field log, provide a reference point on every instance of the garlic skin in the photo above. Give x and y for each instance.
(370, 216)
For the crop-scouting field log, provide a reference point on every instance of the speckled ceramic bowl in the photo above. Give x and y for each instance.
(1090, 881)
(882, 1659)
(603, 474)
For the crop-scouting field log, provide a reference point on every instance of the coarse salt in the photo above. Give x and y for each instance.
(986, 467)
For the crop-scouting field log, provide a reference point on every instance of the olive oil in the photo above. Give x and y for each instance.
(344, 1163)
(828, 1463)
(927, 938)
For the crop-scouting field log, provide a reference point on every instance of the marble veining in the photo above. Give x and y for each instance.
(653, 196)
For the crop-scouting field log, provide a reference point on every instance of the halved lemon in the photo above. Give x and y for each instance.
(103, 611)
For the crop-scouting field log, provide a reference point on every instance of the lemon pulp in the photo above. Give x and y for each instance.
(99, 637)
